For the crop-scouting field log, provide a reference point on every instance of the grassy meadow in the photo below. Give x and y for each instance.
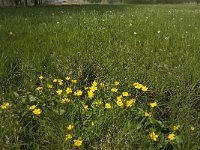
(100, 77)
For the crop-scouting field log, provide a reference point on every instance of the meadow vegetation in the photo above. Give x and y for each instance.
(100, 77)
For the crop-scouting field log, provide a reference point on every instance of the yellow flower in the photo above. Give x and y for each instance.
(119, 97)
(144, 88)
(92, 123)
(107, 106)
(41, 77)
(77, 143)
(37, 111)
(68, 90)
(59, 91)
(120, 103)
(85, 107)
(78, 93)
(74, 81)
(90, 94)
(116, 83)
(130, 102)
(153, 104)
(55, 80)
(102, 84)
(171, 136)
(50, 86)
(114, 90)
(125, 94)
(99, 102)
(153, 136)
(5, 105)
(146, 114)
(70, 127)
(94, 83)
(60, 82)
(32, 107)
(39, 88)
(68, 136)
(176, 127)
(137, 85)
(192, 128)
(67, 78)
(93, 88)
(65, 100)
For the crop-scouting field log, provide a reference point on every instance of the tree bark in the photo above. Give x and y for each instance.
(2, 2)
(35, 2)
(25, 2)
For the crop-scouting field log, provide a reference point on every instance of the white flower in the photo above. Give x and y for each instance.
(135, 33)
(158, 31)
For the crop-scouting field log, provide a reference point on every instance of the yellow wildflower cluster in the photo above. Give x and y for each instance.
(77, 142)
(139, 86)
(92, 89)
(5, 105)
(36, 111)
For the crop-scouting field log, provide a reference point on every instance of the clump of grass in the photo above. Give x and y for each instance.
(96, 115)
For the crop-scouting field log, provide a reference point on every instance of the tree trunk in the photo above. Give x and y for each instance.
(25, 2)
(35, 2)
(2, 2)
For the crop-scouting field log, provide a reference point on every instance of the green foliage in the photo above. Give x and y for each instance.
(157, 45)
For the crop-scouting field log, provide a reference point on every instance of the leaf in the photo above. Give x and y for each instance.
(16, 94)
(140, 124)
(179, 139)
(32, 98)
(59, 111)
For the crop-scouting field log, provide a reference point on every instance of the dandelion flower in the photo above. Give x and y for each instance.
(153, 136)
(120, 103)
(60, 82)
(50, 86)
(68, 136)
(130, 102)
(146, 114)
(114, 90)
(77, 143)
(65, 100)
(32, 107)
(137, 85)
(70, 127)
(37, 111)
(41, 77)
(125, 94)
(39, 88)
(107, 106)
(78, 93)
(171, 136)
(68, 90)
(176, 127)
(5, 105)
(90, 94)
(74, 81)
(59, 91)
(144, 88)
(67, 78)
(55, 80)
(153, 104)
(116, 83)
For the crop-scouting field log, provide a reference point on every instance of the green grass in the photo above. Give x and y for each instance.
(105, 43)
